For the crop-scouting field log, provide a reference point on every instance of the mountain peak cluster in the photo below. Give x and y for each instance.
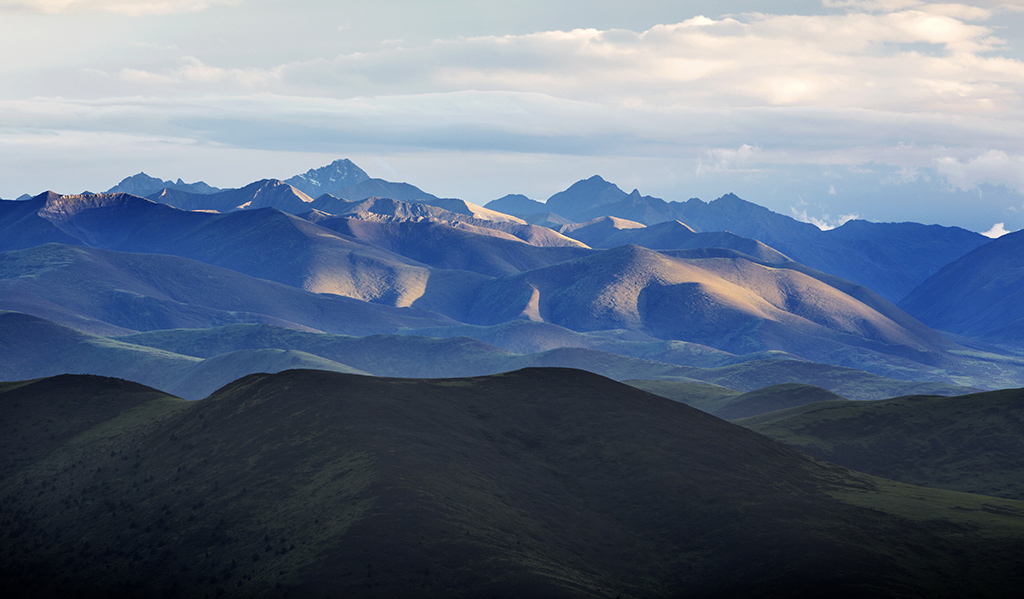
(685, 285)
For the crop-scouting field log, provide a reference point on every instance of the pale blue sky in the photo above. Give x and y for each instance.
(884, 109)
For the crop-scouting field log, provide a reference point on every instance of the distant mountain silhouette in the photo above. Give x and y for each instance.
(328, 179)
(515, 203)
(143, 185)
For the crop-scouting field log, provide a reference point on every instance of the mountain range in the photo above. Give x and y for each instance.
(458, 269)
(250, 442)
(889, 258)
(466, 270)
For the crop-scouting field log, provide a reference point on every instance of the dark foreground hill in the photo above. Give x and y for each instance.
(972, 443)
(536, 483)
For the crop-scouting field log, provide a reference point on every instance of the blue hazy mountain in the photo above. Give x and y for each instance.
(107, 292)
(890, 258)
(719, 298)
(980, 295)
(516, 203)
(143, 185)
(267, 193)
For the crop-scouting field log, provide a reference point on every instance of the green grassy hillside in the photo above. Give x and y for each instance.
(540, 483)
(969, 443)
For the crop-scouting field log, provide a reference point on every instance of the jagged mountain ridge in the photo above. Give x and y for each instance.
(901, 255)
(328, 179)
(890, 258)
(457, 264)
(143, 185)
(260, 194)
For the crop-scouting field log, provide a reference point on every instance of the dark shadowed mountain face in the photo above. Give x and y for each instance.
(595, 197)
(22, 227)
(981, 294)
(143, 185)
(583, 196)
(972, 443)
(534, 483)
(343, 179)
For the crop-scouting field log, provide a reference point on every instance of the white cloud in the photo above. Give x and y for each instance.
(853, 60)
(825, 222)
(727, 159)
(126, 7)
(972, 11)
(997, 231)
(994, 167)
(193, 70)
(873, 5)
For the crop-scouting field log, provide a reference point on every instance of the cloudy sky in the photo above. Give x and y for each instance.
(887, 110)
